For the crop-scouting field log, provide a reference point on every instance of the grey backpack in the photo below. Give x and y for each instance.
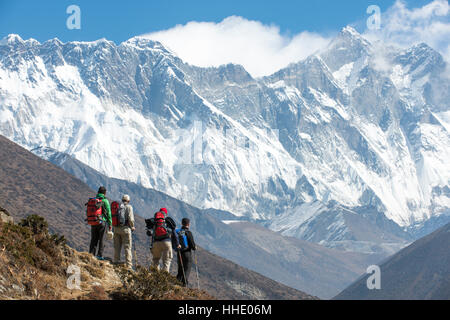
(119, 214)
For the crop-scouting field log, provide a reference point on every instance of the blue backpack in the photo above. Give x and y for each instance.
(182, 238)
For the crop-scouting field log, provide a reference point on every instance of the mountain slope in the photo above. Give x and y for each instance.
(33, 266)
(360, 229)
(335, 266)
(38, 265)
(358, 126)
(31, 185)
(313, 270)
(419, 272)
(149, 110)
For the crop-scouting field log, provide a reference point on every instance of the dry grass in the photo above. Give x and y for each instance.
(145, 284)
(33, 265)
(97, 293)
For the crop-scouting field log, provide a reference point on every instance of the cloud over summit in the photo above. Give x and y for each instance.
(263, 49)
(404, 27)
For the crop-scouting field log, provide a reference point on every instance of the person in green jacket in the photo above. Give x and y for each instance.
(98, 232)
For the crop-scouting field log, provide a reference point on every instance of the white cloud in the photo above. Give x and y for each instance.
(404, 27)
(261, 49)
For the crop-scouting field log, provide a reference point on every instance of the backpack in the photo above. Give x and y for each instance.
(149, 223)
(118, 214)
(94, 211)
(160, 227)
(182, 237)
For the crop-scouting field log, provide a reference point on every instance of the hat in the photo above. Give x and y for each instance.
(163, 210)
(102, 190)
(126, 198)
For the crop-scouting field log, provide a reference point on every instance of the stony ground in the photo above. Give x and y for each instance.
(37, 265)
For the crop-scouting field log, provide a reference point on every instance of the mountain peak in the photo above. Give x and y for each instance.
(421, 47)
(351, 36)
(15, 39)
(422, 59)
(348, 30)
(140, 42)
(11, 39)
(102, 41)
(236, 69)
(419, 51)
(348, 46)
(54, 41)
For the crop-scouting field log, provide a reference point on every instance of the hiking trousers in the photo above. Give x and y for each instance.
(162, 249)
(186, 264)
(122, 237)
(97, 236)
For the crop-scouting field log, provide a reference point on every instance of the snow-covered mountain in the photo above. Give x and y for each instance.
(360, 126)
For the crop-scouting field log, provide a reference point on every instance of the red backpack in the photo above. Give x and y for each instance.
(94, 211)
(115, 213)
(160, 227)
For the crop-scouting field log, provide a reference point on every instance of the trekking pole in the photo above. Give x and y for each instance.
(182, 267)
(149, 252)
(134, 250)
(196, 269)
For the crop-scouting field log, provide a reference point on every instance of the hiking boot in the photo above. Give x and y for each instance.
(100, 258)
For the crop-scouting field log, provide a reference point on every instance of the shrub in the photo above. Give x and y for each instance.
(35, 223)
(30, 243)
(145, 284)
(18, 241)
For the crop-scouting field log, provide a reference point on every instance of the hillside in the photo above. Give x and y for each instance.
(336, 266)
(31, 269)
(419, 272)
(36, 265)
(31, 185)
(224, 275)
(299, 264)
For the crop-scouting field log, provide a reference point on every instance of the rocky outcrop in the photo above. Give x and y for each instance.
(5, 217)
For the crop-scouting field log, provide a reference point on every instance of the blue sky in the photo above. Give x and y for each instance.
(262, 36)
(120, 20)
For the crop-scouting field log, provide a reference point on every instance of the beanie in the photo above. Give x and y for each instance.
(102, 190)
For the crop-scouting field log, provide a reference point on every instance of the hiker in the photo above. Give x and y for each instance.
(163, 237)
(98, 226)
(123, 222)
(184, 256)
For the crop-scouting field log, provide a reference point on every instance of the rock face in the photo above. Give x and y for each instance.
(358, 125)
(5, 217)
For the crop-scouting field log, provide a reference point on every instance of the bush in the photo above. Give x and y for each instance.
(18, 241)
(154, 284)
(30, 243)
(35, 223)
(145, 284)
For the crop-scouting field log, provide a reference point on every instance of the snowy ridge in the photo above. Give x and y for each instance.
(334, 127)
